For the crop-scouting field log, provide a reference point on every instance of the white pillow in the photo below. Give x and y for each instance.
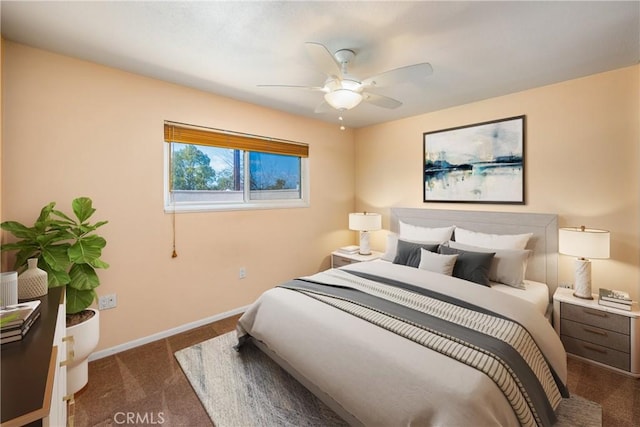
(492, 241)
(508, 266)
(424, 234)
(437, 263)
(392, 247)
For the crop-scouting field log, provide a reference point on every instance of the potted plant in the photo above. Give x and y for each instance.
(69, 250)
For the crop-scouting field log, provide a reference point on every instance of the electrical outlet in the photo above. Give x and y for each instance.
(107, 301)
(242, 273)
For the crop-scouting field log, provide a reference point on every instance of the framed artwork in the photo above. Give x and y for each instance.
(479, 163)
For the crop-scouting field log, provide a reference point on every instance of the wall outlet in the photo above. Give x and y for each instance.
(107, 301)
(242, 273)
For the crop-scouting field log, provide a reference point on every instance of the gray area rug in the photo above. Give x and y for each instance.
(246, 388)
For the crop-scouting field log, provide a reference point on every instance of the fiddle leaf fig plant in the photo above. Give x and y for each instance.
(67, 248)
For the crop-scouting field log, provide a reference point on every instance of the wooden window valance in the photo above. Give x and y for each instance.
(174, 132)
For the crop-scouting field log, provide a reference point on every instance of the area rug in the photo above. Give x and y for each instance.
(246, 388)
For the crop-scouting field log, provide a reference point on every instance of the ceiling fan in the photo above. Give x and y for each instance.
(344, 91)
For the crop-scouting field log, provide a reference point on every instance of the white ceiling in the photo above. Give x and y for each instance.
(478, 50)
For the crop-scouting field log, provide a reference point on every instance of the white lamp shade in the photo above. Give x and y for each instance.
(365, 221)
(343, 99)
(584, 242)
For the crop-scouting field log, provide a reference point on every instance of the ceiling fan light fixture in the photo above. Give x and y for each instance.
(343, 99)
(350, 84)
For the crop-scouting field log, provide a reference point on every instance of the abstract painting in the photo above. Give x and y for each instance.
(479, 163)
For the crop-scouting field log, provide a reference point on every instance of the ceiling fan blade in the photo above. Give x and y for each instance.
(381, 101)
(408, 74)
(312, 88)
(321, 56)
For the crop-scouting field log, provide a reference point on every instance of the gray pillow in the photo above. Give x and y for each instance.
(508, 265)
(471, 266)
(409, 254)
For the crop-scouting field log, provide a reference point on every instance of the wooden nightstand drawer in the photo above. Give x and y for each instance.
(594, 332)
(595, 335)
(598, 318)
(601, 354)
(339, 261)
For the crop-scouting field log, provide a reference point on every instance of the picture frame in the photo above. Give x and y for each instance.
(477, 163)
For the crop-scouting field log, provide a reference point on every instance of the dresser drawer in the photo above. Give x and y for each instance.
(601, 354)
(595, 335)
(598, 318)
(338, 261)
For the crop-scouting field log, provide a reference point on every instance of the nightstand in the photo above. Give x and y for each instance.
(589, 331)
(340, 259)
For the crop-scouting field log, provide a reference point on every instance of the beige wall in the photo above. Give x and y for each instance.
(582, 162)
(73, 128)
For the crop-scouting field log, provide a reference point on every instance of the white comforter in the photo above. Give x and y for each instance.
(396, 382)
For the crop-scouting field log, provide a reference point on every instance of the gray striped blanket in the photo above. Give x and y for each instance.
(499, 347)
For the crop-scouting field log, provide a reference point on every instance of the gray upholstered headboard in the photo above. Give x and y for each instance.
(543, 264)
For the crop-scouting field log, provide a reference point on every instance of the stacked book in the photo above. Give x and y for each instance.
(616, 299)
(16, 320)
(349, 250)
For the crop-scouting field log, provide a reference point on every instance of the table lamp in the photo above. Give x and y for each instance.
(365, 222)
(583, 243)
(8, 288)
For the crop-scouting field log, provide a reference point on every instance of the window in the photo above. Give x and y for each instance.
(209, 169)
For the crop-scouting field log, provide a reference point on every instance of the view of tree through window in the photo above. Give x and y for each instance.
(212, 174)
(212, 169)
(196, 167)
(274, 172)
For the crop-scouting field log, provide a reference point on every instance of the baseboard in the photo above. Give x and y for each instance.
(164, 334)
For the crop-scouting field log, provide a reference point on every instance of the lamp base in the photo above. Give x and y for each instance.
(580, 296)
(582, 286)
(365, 248)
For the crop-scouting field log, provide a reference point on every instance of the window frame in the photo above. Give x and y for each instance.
(247, 203)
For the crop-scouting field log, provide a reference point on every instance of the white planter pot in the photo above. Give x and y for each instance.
(85, 340)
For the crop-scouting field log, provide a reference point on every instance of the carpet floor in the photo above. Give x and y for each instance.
(247, 388)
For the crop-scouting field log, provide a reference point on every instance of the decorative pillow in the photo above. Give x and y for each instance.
(471, 266)
(492, 241)
(437, 263)
(392, 247)
(423, 234)
(508, 265)
(409, 252)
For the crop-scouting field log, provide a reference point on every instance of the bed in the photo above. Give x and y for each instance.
(364, 338)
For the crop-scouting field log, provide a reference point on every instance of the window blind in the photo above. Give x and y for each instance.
(185, 134)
